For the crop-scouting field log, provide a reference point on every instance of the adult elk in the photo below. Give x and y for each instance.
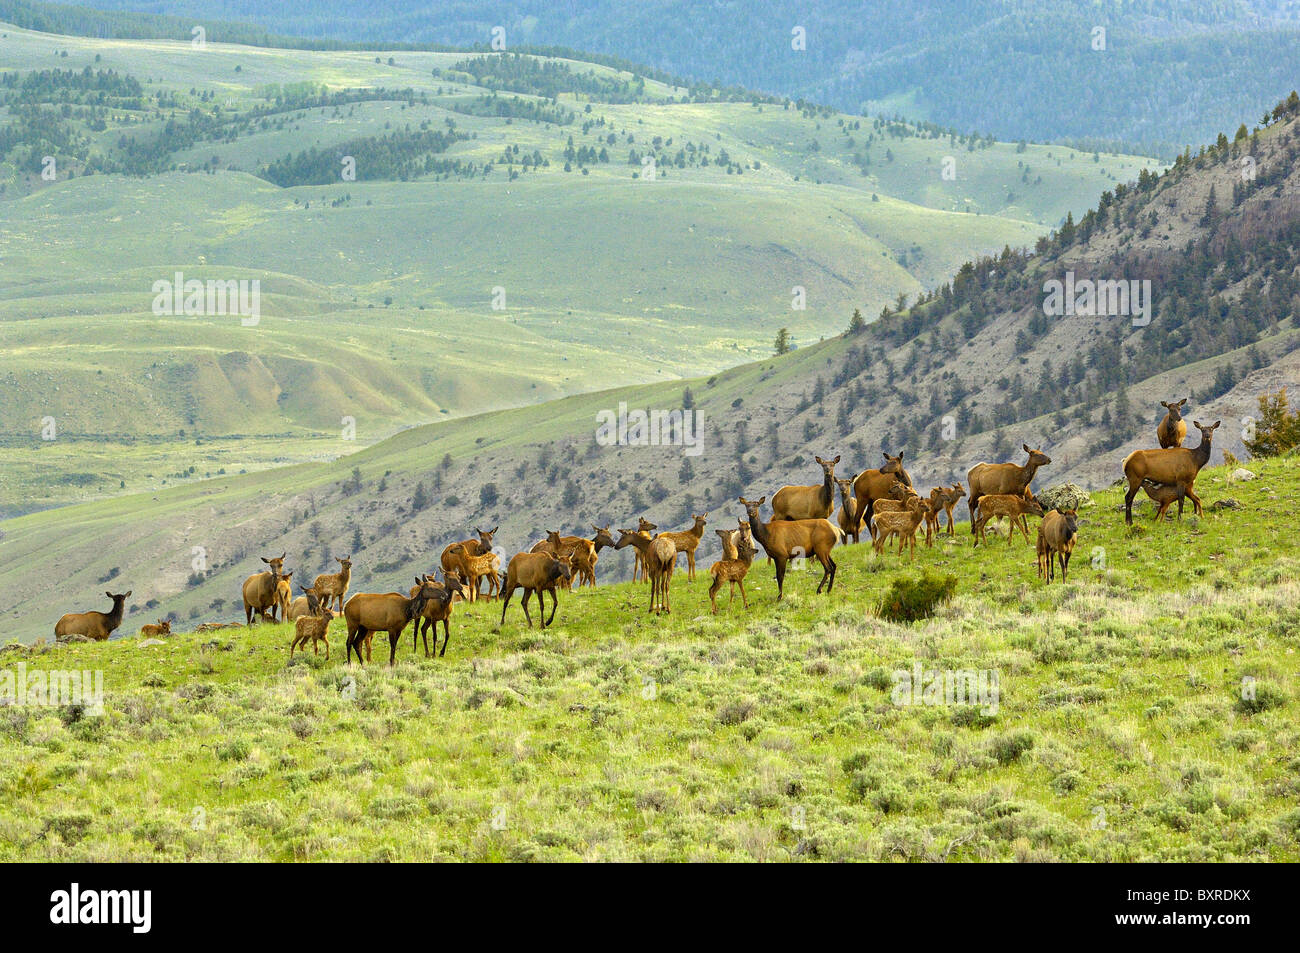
(659, 557)
(261, 590)
(807, 502)
(367, 613)
(1171, 465)
(872, 485)
(986, 479)
(535, 572)
(93, 625)
(784, 540)
(1172, 428)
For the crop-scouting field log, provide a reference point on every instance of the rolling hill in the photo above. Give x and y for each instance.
(971, 371)
(502, 243)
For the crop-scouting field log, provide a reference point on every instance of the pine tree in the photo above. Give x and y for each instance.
(783, 341)
(857, 323)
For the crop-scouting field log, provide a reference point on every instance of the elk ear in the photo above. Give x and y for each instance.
(818, 459)
(128, 592)
(885, 455)
(836, 460)
(494, 529)
(110, 595)
(1183, 401)
(1196, 424)
(1216, 425)
(265, 560)
(1025, 447)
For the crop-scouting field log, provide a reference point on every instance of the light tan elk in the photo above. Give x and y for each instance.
(93, 625)
(872, 485)
(163, 628)
(659, 557)
(584, 559)
(438, 609)
(687, 541)
(645, 529)
(475, 547)
(902, 524)
(1166, 494)
(473, 570)
(1056, 538)
(283, 596)
(314, 626)
(949, 498)
(261, 590)
(994, 506)
(784, 540)
(535, 572)
(334, 585)
(848, 512)
(1004, 479)
(1172, 429)
(733, 569)
(1175, 466)
(807, 502)
(367, 613)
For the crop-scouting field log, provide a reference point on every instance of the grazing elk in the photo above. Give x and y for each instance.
(314, 626)
(687, 541)
(733, 569)
(535, 572)
(807, 502)
(261, 590)
(994, 506)
(438, 609)
(1172, 429)
(334, 585)
(872, 485)
(1003, 479)
(784, 540)
(1057, 535)
(162, 629)
(93, 625)
(659, 557)
(367, 613)
(1174, 466)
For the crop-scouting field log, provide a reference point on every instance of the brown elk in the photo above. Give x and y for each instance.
(784, 540)
(283, 596)
(687, 541)
(473, 570)
(949, 498)
(261, 590)
(995, 506)
(438, 609)
(659, 557)
(93, 625)
(475, 547)
(334, 585)
(314, 626)
(163, 628)
(1057, 535)
(535, 572)
(643, 528)
(1166, 494)
(872, 485)
(1172, 465)
(807, 502)
(902, 524)
(1172, 429)
(850, 525)
(1002, 479)
(367, 613)
(584, 557)
(733, 569)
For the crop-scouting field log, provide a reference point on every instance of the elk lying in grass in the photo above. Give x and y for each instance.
(1002, 479)
(687, 541)
(659, 557)
(807, 502)
(261, 590)
(334, 585)
(97, 626)
(163, 628)
(733, 569)
(438, 609)
(850, 525)
(367, 613)
(1174, 466)
(872, 485)
(995, 506)
(902, 524)
(314, 626)
(1172, 429)
(535, 572)
(1057, 535)
(784, 540)
(1166, 494)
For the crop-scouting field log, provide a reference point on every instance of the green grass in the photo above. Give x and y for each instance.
(766, 734)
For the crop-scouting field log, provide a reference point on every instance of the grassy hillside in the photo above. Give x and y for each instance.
(1126, 729)
(378, 293)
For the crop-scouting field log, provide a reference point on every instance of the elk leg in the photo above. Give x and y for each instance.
(392, 647)
(505, 603)
(973, 505)
(555, 604)
(1196, 502)
(1128, 500)
(527, 595)
(446, 637)
(780, 578)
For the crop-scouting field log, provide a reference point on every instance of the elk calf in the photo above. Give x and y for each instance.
(733, 570)
(1015, 508)
(314, 626)
(163, 628)
(1057, 535)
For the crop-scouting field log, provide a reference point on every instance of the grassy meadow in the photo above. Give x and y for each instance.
(1123, 731)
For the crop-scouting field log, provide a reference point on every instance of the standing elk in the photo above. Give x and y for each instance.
(1004, 479)
(367, 613)
(848, 512)
(994, 506)
(334, 585)
(97, 626)
(659, 557)
(438, 609)
(474, 547)
(1175, 466)
(644, 528)
(807, 502)
(872, 485)
(1172, 429)
(784, 540)
(535, 572)
(314, 626)
(261, 590)
(1057, 535)
(733, 569)
(687, 541)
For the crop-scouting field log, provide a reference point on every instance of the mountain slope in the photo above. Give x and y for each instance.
(1223, 331)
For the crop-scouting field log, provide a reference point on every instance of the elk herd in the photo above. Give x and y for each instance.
(882, 501)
